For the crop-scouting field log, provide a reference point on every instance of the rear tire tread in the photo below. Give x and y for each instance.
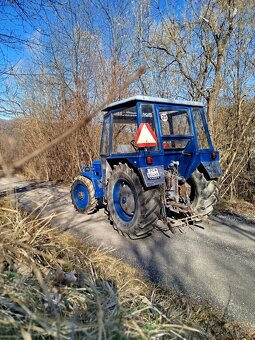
(148, 200)
(206, 193)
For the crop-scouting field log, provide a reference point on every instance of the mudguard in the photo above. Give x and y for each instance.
(212, 169)
(94, 173)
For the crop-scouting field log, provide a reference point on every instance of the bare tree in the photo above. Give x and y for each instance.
(235, 121)
(195, 43)
(64, 82)
(192, 49)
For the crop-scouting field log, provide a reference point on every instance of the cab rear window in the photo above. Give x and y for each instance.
(174, 123)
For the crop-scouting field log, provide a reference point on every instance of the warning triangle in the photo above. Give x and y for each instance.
(145, 136)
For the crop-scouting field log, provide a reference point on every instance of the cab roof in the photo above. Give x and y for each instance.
(133, 100)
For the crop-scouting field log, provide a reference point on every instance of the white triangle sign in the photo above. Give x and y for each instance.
(145, 136)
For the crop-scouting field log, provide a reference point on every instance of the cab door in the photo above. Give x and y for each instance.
(177, 135)
(105, 146)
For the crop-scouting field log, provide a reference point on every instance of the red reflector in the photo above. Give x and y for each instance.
(166, 145)
(213, 155)
(149, 160)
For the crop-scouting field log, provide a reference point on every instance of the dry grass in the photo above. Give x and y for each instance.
(238, 207)
(55, 287)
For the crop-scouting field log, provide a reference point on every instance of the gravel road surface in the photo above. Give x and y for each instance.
(216, 263)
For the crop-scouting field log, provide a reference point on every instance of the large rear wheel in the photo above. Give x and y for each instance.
(132, 209)
(204, 193)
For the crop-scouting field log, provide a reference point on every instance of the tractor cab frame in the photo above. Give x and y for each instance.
(170, 176)
(181, 130)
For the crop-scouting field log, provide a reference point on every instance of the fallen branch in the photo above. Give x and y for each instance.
(18, 165)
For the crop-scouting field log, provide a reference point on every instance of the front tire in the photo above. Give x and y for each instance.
(83, 195)
(204, 193)
(132, 209)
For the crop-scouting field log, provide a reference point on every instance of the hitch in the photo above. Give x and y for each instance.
(171, 224)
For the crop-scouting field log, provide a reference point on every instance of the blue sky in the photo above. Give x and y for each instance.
(25, 27)
(17, 32)
(12, 23)
(22, 27)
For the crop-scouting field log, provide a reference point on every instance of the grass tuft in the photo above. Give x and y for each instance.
(236, 207)
(54, 286)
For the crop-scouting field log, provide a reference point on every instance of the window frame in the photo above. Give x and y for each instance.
(140, 120)
(111, 153)
(107, 119)
(205, 125)
(173, 137)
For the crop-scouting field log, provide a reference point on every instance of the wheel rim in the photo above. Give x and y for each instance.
(124, 200)
(81, 196)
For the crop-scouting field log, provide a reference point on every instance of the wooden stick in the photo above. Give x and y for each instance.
(17, 165)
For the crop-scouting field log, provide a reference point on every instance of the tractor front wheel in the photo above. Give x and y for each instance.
(204, 193)
(83, 195)
(132, 209)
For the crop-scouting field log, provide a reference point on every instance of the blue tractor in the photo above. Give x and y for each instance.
(157, 163)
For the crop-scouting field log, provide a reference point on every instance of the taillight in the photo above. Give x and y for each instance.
(149, 160)
(166, 145)
(213, 155)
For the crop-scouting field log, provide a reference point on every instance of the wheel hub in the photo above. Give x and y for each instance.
(81, 195)
(126, 198)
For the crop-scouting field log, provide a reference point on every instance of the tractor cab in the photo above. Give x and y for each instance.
(156, 131)
(157, 163)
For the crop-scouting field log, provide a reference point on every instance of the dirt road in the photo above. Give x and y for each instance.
(217, 263)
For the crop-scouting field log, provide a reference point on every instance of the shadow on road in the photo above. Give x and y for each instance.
(23, 188)
(213, 265)
(237, 224)
(210, 264)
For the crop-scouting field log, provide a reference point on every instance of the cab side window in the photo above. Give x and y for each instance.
(105, 137)
(202, 139)
(124, 129)
(148, 116)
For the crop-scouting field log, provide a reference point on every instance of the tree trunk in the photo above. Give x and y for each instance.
(212, 102)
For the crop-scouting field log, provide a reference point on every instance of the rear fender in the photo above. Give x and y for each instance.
(96, 183)
(211, 169)
(94, 173)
